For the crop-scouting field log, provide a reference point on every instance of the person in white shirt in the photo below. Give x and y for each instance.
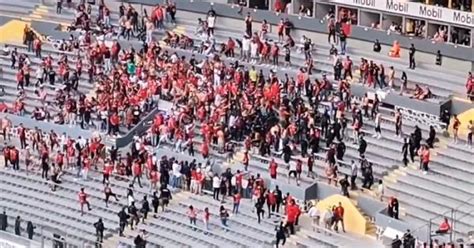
(315, 216)
(176, 179)
(292, 171)
(246, 48)
(6, 50)
(378, 130)
(39, 76)
(254, 51)
(354, 170)
(211, 22)
(328, 218)
(216, 183)
(380, 190)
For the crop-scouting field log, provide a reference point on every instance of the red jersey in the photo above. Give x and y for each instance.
(273, 168)
(82, 197)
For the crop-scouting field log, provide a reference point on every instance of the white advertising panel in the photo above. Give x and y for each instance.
(418, 10)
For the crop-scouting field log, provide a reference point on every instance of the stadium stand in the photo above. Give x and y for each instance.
(425, 195)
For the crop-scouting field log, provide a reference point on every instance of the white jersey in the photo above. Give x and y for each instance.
(246, 44)
(314, 212)
(292, 166)
(211, 21)
(253, 49)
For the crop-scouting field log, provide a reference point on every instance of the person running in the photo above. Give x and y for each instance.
(123, 221)
(292, 171)
(83, 201)
(99, 230)
(108, 193)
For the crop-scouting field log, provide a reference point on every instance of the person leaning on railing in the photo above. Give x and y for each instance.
(444, 227)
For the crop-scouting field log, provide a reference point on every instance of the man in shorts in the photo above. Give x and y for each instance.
(292, 171)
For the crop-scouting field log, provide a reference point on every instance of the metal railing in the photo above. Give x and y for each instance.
(43, 236)
(454, 219)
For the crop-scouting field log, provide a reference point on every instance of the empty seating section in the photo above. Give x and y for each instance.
(448, 187)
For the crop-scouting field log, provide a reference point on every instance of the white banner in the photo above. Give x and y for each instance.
(422, 11)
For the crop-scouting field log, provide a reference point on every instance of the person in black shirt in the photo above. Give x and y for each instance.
(396, 243)
(362, 145)
(99, 230)
(133, 212)
(259, 208)
(377, 46)
(155, 202)
(411, 54)
(408, 240)
(340, 150)
(279, 198)
(439, 58)
(280, 234)
(345, 186)
(432, 136)
(139, 242)
(405, 149)
(248, 24)
(30, 229)
(145, 208)
(338, 70)
(165, 196)
(18, 226)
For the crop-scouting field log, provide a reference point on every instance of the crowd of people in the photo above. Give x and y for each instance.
(217, 108)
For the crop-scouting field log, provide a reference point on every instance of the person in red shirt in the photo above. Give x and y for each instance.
(6, 155)
(271, 203)
(236, 198)
(245, 160)
(83, 201)
(137, 173)
(22, 135)
(470, 86)
(339, 217)
(230, 48)
(192, 215)
(205, 150)
(14, 158)
(154, 178)
(292, 211)
(108, 193)
(107, 171)
(114, 124)
(424, 154)
(273, 169)
(444, 227)
(86, 166)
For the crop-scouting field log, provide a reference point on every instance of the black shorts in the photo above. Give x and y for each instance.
(292, 172)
